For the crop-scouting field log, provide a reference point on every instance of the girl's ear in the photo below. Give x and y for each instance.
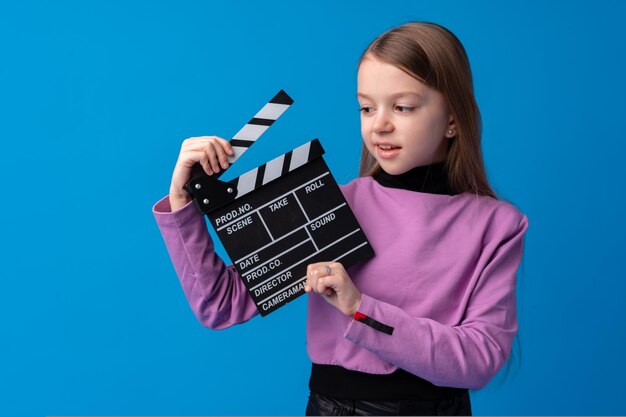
(451, 131)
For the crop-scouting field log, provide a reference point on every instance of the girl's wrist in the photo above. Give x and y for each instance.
(356, 307)
(178, 201)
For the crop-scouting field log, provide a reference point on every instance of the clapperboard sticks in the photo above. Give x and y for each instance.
(241, 142)
(277, 218)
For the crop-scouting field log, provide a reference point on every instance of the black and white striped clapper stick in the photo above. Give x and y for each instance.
(248, 134)
(277, 167)
(211, 194)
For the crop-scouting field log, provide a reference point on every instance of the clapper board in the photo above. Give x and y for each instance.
(279, 217)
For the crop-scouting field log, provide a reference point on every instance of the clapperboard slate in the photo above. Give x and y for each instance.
(279, 217)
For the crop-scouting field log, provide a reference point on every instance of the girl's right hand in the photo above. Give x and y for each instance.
(210, 151)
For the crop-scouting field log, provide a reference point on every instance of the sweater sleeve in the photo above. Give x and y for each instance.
(215, 291)
(464, 356)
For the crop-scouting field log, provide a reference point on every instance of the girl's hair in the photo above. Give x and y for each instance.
(434, 55)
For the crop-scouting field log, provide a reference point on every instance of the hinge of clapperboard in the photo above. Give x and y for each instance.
(209, 193)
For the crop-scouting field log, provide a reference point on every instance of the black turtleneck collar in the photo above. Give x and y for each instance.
(431, 179)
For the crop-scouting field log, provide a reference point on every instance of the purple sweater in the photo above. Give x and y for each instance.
(443, 277)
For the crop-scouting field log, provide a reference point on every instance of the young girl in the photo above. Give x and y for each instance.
(433, 314)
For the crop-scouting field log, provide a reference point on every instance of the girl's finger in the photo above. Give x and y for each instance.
(212, 150)
(200, 140)
(220, 147)
(310, 280)
(226, 146)
(314, 277)
(324, 285)
(199, 143)
(193, 144)
(189, 158)
(314, 273)
(204, 161)
(211, 155)
(322, 268)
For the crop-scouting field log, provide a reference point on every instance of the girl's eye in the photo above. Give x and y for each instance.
(365, 109)
(404, 109)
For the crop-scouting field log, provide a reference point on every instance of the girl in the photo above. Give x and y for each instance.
(433, 314)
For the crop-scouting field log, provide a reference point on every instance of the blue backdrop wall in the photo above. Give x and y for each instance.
(96, 98)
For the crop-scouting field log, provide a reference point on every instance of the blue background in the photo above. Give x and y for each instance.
(96, 98)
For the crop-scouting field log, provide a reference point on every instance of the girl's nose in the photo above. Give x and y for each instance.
(382, 123)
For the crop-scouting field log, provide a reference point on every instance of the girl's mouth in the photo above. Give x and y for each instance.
(387, 151)
(387, 147)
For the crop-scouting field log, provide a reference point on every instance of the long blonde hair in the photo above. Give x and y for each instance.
(435, 56)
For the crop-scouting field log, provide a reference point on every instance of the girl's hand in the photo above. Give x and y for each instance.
(210, 151)
(336, 287)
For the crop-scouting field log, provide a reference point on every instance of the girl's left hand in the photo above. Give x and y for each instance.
(336, 287)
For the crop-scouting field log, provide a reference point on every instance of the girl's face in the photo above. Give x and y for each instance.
(399, 111)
